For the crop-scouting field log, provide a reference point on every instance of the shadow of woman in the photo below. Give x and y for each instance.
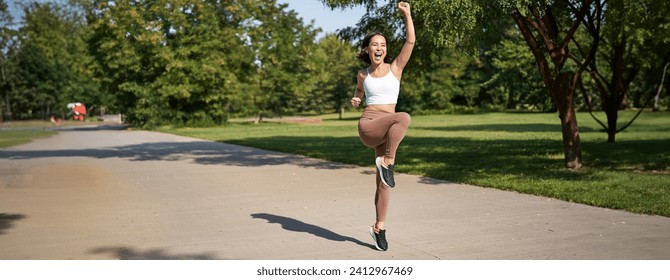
(298, 226)
(6, 220)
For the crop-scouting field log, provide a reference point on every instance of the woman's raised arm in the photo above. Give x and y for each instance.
(410, 38)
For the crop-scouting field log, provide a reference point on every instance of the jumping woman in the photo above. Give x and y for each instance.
(380, 127)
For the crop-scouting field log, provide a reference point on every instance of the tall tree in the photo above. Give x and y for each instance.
(631, 41)
(540, 26)
(179, 62)
(8, 46)
(282, 45)
(331, 66)
(118, 64)
(203, 58)
(52, 59)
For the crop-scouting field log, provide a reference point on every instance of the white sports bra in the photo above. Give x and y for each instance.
(383, 90)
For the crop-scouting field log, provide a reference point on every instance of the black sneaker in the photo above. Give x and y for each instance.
(385, 173)
(380, 239)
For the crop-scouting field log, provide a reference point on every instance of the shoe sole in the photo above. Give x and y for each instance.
(372, 233)
(381, 174)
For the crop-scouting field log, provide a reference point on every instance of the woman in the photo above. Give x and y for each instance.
(380, 126)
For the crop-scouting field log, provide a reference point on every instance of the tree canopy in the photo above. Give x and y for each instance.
(199, 62)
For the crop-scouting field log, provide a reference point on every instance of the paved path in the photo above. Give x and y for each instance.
(90, 193)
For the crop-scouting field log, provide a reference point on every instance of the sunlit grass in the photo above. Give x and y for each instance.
(10, 138)
(20, 132)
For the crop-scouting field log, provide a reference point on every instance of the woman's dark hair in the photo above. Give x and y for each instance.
(362, 55)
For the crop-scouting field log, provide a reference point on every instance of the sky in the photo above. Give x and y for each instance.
(330, 21)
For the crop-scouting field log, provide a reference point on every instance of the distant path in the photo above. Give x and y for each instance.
(102, 193)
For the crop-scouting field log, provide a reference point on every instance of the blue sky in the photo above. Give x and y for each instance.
(325, 18)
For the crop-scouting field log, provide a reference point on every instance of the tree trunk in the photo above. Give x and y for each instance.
(612, 117)
(660, 88)
(563, 97)
(6, 95)
(558, 83)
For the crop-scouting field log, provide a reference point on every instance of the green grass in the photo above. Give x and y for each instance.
(17, 137)
(20, 132)
(519, 152)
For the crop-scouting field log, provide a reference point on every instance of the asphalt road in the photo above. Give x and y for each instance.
(105, 193)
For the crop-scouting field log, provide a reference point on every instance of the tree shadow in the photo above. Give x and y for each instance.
(446, 158)
(299, 226)
(6, 221)
(126, 253)
(94, 127)
(201, 152)
(451, 158)
(520, 128)
(432, 181)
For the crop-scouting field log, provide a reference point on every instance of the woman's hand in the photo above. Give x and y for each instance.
(404, 8)
(355, 101)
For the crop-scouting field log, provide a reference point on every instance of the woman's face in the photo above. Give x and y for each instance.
(377, 49)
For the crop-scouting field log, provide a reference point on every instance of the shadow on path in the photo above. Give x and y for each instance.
(125, 253)
(298, 226)
(7, 219)
(91, 127)
(201, 152)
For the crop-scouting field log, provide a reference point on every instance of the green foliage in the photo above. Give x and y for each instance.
(281, 45)
(202, 61)
(517, 83)
(332, 67)
(171, 61)
(641, 31)
(629, 59)
(454, 82)
(51, 62)
(8, 74)
(199, 63)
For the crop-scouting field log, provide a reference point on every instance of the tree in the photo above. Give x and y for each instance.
(452, 83)
(202, 58)
(8, 77)
(281, 45)
(517, 81)
(547, 27)
(632, 41)
(53, 63)
(551, 50)
(331, 66)
(190, 62)
(172, 62)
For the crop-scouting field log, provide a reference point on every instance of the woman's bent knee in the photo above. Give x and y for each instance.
(404, 118)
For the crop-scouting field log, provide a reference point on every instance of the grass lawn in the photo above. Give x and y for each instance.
(21, 132)
(520, 152)
(17, 133)
(16, 137)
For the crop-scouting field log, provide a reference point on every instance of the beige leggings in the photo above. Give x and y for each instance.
(383, 131)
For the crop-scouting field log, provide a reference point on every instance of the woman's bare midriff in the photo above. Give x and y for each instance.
(389, 108)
